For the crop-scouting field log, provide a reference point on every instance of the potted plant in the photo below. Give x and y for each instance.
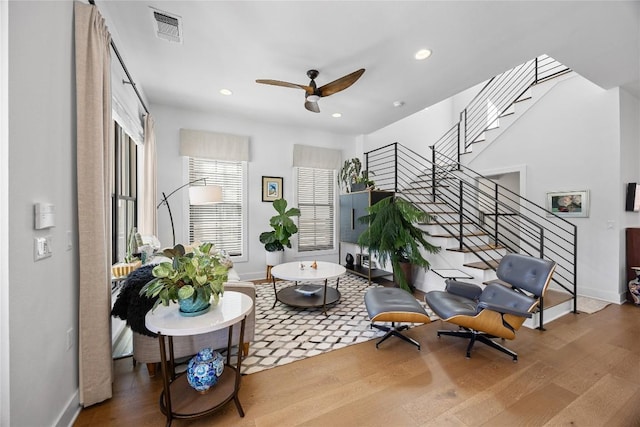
(190, 278)
(283, 228)
(352, 178)
(393, 235)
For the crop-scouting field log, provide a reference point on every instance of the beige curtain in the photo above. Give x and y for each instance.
(148, 221)
(94, 161)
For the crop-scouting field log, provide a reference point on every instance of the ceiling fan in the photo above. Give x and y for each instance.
(314, 93)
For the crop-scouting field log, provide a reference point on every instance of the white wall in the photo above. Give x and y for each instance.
(4, 215)
(43, 295)
(570, 140)
(271, 154)
(629, 169)
(418, 131)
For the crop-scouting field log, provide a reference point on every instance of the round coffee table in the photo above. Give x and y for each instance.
(307, 295)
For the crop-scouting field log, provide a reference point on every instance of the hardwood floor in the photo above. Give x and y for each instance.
(584, 370)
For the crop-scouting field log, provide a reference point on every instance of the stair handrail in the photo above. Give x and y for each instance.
(505, 89)
(392, 165)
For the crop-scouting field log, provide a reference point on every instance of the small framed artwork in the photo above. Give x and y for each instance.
(271, 188)
(569, 204)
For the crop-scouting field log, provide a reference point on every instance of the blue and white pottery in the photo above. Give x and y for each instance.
(204, 369)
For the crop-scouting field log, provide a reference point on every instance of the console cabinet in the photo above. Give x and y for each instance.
(353, 206)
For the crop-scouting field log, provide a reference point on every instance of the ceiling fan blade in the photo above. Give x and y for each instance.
(306, 88)
(312, 106)
(340, 84)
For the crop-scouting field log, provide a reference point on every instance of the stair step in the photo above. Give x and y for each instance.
(477, 248)
(481, 265)
(476, 234)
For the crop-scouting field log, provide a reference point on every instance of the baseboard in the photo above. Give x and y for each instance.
(71, 412)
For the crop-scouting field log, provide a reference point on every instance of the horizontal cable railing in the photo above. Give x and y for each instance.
(494, 100)
(468, 206)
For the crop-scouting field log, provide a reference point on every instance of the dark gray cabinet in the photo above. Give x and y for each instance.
(352, 207)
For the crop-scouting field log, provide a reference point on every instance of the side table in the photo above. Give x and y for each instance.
(178, 399)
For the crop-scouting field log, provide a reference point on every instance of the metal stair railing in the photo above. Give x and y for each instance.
(466, 204)
(484, 111)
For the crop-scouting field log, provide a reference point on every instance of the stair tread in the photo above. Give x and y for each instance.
(481, 265)
(476, 234)
(476, 248)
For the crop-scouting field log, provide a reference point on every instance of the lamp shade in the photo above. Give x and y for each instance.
(205, 194)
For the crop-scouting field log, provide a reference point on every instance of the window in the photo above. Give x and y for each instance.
(223, 223)
(124, 202)
(316, 200)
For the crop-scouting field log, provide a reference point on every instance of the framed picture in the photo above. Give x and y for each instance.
(271, 188)
(570, 204)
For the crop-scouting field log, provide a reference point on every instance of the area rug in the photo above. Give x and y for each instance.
(285, 334)
(590, 305)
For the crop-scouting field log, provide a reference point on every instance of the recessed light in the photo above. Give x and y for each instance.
(226, 92)
(398, 103)
(336, 115)
(422, 54)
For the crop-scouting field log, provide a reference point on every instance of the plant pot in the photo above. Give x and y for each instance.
(274, 258)
(407, 269)
(194, 307)
(358, 186)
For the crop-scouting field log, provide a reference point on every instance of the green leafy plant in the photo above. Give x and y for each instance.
(202, 271)
(352, 173)
(393, 235)
(283, 227)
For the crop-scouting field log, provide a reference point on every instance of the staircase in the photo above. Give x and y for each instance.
(474, 219)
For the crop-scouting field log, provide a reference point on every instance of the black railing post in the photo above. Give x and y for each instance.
(535, 80)
(433, 174)
(395, 162)
(541, 325)
(460, 225)
(495, 210)
(575, 270)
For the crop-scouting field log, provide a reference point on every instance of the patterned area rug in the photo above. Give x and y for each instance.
(285, 334)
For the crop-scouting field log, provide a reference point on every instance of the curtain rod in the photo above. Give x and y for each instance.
(126, 71)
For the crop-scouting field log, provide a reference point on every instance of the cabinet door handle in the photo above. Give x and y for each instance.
(353, 215)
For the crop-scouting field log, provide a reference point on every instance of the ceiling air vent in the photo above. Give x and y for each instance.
(168, 27)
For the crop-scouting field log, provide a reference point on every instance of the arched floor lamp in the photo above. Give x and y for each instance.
(198, 195)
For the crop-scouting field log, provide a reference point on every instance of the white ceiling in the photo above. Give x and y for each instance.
(230, 44)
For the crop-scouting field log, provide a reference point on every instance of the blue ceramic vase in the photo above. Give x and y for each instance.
(204, 369)
(194, 306)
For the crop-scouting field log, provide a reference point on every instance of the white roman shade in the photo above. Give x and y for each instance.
(306, 156)
(212, 145)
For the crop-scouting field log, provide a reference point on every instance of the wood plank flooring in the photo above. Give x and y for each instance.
(584, 370)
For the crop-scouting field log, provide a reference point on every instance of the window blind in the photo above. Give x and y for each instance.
(220, 223)
(316, 196)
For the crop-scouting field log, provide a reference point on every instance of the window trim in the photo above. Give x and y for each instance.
(336, 215)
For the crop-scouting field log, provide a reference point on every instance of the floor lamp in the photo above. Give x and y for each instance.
(198, 195)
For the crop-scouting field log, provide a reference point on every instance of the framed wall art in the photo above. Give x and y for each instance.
(271, 188)
(569, 204)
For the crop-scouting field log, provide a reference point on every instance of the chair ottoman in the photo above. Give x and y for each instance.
(394, 305)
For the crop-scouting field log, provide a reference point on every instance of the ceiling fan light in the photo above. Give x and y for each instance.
(313, 98)
(336, 115)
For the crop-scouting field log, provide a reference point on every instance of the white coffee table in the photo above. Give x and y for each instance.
(307, 295)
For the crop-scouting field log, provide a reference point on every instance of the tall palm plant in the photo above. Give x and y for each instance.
(393, 235)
